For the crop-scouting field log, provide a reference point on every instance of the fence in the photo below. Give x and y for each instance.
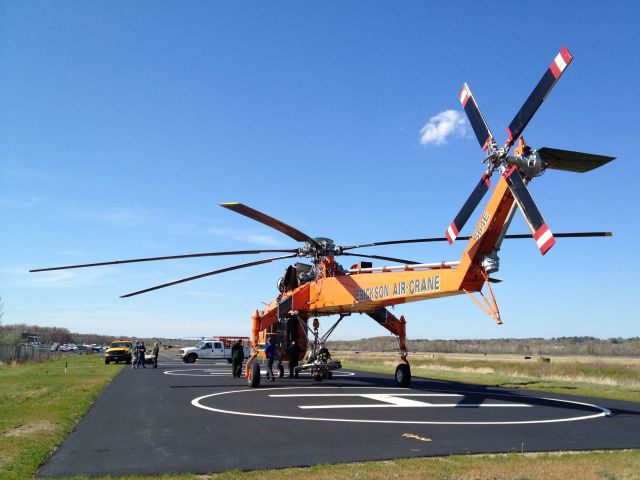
(26, 353)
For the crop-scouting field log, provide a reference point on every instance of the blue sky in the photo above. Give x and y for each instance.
(124, 125)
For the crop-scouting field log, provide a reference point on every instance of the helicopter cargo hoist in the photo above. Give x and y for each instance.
(325, 288)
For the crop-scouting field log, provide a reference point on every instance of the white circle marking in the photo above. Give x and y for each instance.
(196, 402)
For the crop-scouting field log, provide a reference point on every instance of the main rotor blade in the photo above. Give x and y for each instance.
(571, 161)
(539, 229)
(380, 257)
(170, 257)
(202, 275)
(270, 222)
(478, 123)
(444, 239)
(469, 206)
(544, 86)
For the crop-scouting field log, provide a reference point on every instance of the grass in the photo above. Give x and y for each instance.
(602, 465)
(585, 376)
(40, 404)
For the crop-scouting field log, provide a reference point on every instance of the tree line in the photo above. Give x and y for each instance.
(517, 346)
(14, 334)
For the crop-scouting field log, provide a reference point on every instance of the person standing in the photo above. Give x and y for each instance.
(141, 351)
(294, 355)
(270, 353)
(237, 356)
(134, 354)
(155, 351)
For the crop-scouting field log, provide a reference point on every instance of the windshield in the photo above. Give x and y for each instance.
(199, 344)
(120, 345)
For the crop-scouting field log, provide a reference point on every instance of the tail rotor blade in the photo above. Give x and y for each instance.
(539, 229)
(569, 161)
(467, 209)
(478, 123)
(544, 86)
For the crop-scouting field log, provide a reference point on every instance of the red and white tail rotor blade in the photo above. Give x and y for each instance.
(540, 92)
(477, 121)
(539, 229)
(469, 206)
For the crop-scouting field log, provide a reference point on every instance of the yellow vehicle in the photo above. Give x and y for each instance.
(119, 350)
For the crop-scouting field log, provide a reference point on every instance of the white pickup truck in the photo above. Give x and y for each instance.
(211, 349)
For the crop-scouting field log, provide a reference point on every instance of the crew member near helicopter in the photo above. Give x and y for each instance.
(270, 353)
(237, 356)
(294, 354)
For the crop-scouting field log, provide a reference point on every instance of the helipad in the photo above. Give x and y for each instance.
(198, 419)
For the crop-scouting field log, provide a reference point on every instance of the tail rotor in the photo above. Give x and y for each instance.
(526, 163)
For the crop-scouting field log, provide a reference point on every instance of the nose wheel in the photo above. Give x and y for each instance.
(403, 375)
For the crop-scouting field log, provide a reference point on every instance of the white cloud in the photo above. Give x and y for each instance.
(442, 126)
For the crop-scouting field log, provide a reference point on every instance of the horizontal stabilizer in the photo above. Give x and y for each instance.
(571, 161)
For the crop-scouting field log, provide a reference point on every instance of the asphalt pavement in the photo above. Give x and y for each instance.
(198, 419)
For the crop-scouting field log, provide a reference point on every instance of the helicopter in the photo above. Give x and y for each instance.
(322, 287)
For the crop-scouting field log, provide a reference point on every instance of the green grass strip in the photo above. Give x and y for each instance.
(40, 404)
(504, 380)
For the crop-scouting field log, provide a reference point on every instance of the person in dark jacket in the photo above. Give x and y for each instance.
(270, 353)
(141, 350)
(237, 356)
(294, 354)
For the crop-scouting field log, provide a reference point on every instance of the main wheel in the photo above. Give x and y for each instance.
(280, 370)
(254, 378)
(403, 375)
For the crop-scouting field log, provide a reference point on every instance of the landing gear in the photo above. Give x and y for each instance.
(254, 377)
(403, 375)
(397, 326)
(318, 360)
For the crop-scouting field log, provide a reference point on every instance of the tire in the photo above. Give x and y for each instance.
(329, 375)
(317, 377)
(191, 358)
(403, 375)
(254, 378)
(106, 362)
(280, 370)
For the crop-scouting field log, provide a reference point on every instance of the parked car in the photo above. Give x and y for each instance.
(212, 349)
(118, 351)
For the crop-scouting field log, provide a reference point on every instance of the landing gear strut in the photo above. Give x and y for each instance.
(319, 361)
(396, 326)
